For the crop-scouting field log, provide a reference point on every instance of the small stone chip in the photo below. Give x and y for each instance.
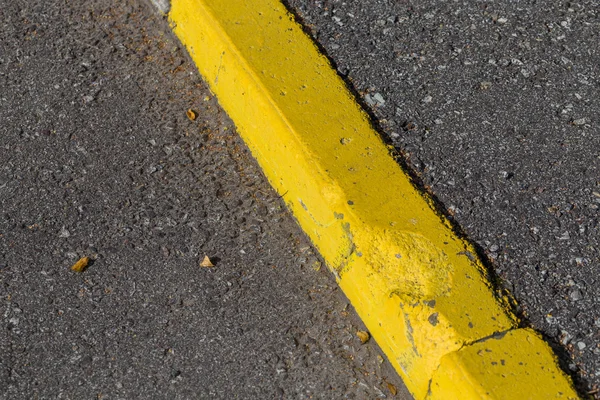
(433, 319)
(191, 114)
(81, 264)
(163, 6)
(363, 336)
(576, 295)
(206, 263)
(379, 99)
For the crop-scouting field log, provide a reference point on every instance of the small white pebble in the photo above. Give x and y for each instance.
(379, 99)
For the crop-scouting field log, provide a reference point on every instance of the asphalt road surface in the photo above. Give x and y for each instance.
(495, 105)
(98, 158)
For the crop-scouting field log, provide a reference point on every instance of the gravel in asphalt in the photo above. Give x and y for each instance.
(99, 159)
(495, 107)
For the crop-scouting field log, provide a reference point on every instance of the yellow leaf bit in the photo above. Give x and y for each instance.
(363, 336)
(81, 264)
(392, 389)
(191, 114)
(206, 262)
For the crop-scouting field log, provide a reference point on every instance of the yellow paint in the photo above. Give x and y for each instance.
(416, 285)
(521, 363)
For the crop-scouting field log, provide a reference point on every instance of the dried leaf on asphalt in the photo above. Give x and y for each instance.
(392, 389)
(363, 336)
(191, 114)
(206, 262)
(80, 265)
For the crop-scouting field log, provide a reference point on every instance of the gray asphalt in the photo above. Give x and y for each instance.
(99, 159)
(495, 107)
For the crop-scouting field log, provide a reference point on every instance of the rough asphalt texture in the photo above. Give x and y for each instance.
(99, 159)
(496, 106)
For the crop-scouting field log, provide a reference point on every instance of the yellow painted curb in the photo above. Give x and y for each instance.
(419, 288)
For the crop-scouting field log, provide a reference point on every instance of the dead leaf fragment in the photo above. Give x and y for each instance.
(80, 265)
(363, 336)
(191, 114)
(392, 389)
(206, 263)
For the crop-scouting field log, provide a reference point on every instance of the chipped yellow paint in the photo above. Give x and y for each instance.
(418, 287)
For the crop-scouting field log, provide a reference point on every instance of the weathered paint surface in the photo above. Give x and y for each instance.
(415, 284)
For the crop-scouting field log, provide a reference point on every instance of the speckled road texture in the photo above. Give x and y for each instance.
(495, 106)
(99, 159)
